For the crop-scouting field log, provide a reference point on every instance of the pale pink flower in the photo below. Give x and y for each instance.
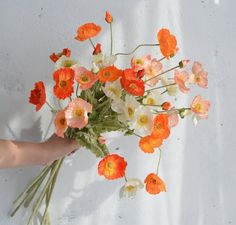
(199, 76)
(138, 64)
(153, 69)
(77, 113)
(60, 123)
(185, 62)
(180, 79)
(85, 78)
(173, 118)
(200, 107)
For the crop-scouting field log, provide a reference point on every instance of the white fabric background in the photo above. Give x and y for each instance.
(198, 163)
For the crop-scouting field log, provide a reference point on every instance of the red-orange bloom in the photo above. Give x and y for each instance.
(97, 49)
(38, 95)
(112, 167)
(132, 83)
(154, 184)
(64, 79)
(86, 31)
(167, 43)
(160, 126)
(148, 143)
(109, 74)
(66, 52)
(166, 105)
(108, 17)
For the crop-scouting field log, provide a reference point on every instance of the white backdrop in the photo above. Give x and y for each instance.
(198, 163)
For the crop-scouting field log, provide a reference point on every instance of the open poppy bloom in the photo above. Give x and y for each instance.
(112, 167)
(200, 107)
(66, 52)
(60, 123)
(180, 79)
(199, 76)
(109, 74)
(64, 79)
(160, 126)
(85, 78)
(149, 142)
(86, 31)
(154, 184)
(38, 95)
(167, 43)
(77, 113)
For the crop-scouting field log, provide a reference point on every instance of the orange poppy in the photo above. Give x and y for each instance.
(64, 79)
(109, 74)
(160, 126)
(66, 52)
(108, 17)
(97, 49)
(112, 167)
(38, 95)
(166, 105)
(149, 142)
(86, 31)
(154, 184)
(167, 43)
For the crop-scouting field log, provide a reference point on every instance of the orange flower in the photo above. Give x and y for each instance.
(112, 167)
(167, 43)
(38, 95)
(109, 74)
(131, 82)
(160, 127)
(154, 184)
(66, 52)
(148, 143)
(97, 49)
(64, 79)
(108, 17)
(166, 105)
(86, 31)
(60, 123)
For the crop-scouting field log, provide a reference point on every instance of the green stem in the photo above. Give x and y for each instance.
(111, 37)
(151, 105)
(52, 109)
(160, 87)
(159, 160)
(162, 73)
(142, 45)
(172, 110)
(92, 43)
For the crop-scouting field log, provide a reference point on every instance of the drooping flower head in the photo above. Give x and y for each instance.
(38, 95)
(109, 74)
(77, 113)
(168, 43)
(154, 184)
(180, 79)
(149, 143)
(200, 107)
(112, 167)
(64, 79)
(60, 123)
(130, 188)
(160, 126)
(86, 31)
(85, 78)
(66, 52)
(199, 76)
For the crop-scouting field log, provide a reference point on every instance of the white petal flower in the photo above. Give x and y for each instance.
(153, 98)
(171, 90)
(102, 61)
(113, 90)
(64, 61)
(142, 121)
(130, 188)
(131, 104)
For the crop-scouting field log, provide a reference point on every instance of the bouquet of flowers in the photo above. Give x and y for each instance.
(105, 98)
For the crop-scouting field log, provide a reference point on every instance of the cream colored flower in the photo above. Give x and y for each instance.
(64, 61)
(171, 90)
(113, 90)
(130, 188)
(153, 98)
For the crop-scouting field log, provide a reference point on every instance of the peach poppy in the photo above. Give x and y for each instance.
(77, 113)
(38, 95)
(200, 107)
(112, 167)
(64, 79)
(108, 17)
(109, 74)
(85, 78)
(60, 123)
(160, 126)
(167, 43)
(141, 63)
(173, 118)
(149, 142)
(180, 79)
(154, 184)
(66, 52)
(200, 76)
(86, 31)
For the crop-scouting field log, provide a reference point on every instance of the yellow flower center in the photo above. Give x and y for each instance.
(130, 112)
(198, 107)
(67, 63)
(139, 61)
(150, 101)
(130, 188)
(115, 91)
(79, 112)
(142, 120)
(84, 78)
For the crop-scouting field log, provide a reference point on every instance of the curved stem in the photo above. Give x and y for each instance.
(49, 105)
(90, 40)
(141, 45)
(111, 37)
(160, 87)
